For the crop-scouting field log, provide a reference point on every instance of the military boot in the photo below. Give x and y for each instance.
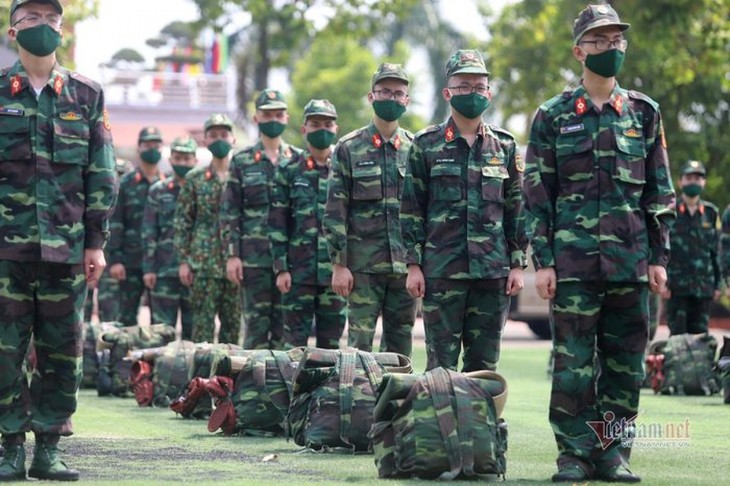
(46, 463)
(12, 466)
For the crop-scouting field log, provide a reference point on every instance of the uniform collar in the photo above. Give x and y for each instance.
(378, 140)
(683, 208)
(451, 131)
(19, 79)
(259, 152)
(582, 101)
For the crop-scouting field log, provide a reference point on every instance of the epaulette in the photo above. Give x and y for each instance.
(4, 71)
(85, 80)
(352, 134)
(424, 131)
(501, 131)
(556, 100)
(708, 204)
(641, 96)
(408, 134)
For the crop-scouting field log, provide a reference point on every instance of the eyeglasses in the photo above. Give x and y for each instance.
(32, 20)
(386, 94)
(465, 89)
(605, 44)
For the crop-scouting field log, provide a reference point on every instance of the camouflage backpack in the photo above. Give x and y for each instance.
(684, 365)
(256, 403)
(115, 344)
(333, 396)
(441, 424)
(723, 368)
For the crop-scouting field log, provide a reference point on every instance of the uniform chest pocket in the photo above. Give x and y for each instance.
(446, 182)
(401, 179)
(255, 188)
(367, 183)
(14, 138)
(574, 157)
(630, 159)
(70, 142)
(493, 183)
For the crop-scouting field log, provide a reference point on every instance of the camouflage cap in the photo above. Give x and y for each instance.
(389, 70)
(218, 120)
(596, 16)
(466, 61)
(149, 134)
(15, 4)
(321, 108)
(693, 167)
(185, 145)
(271, 99)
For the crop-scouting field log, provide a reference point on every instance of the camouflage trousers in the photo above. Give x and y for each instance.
(45, 300)
(169, 296)
(385, 294)
(215, 296)
(262, 313)
(688, 314)
(464, 313)
(108, 299)
(306, 304)
(130, 294)
(600, 331)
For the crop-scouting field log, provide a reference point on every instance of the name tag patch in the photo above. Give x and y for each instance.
(572, 128)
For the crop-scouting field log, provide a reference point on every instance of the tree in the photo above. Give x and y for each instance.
(678, 55)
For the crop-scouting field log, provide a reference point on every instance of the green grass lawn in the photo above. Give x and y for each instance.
(118, 443)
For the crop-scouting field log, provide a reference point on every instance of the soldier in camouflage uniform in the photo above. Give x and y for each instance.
(301, 262)
(125, 246)
(160, 264)
(599, 202)
(362, 219)
(245, 223)
(57, 189)
(694, 274)
(106, 294)
(198, 241)
(725, 248)
(462, 223)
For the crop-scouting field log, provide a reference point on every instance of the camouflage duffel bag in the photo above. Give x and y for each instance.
(440, 424)
(160, 374)
(115, 344)
(723, 368)
(333, 396)
(256, 403)
(688, 365)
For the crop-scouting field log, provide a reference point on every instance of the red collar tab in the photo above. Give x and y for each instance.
(396, 142)
(138, 177)
(16, 84)
(310, 163)
(581, 106)
(171, 185)
(257, 156)
(449, 136)
(208, 175)
(618, 104)
(58, 84)
(377, 141)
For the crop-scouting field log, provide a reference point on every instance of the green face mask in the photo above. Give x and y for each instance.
(219, 148)
(272, 129)
(606, 64)
(151, 156)
(181, 170)
(40, 40)
(692, 189)
(388, 110)
(470, 106)
(321, 139)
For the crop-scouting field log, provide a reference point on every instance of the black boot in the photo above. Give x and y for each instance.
(12, 466)
(46, 463)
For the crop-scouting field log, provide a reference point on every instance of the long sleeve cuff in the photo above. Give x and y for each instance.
(659, 256)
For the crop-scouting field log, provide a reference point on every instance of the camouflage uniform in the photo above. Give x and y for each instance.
(362, 229)
(694, 273)
(57, 188)
(160, 258)
(725, 246)
(297, 246)
(462, 223)
(198, 243)
(125, 244)
(599, 201)
(246, 228)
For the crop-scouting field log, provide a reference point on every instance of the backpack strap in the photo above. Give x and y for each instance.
(440, 388)
(282, 361)
(466, 420)
(347, 361)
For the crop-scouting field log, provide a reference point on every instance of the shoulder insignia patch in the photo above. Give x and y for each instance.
(519, 163)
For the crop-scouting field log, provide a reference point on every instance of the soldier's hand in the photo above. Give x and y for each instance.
(415, 283)
(342, 280)
(150, 280)
(666, 294)
(515, 282)
(657, 278)
(234, 270)
(545, 282)
(186, 274)
(118, 272)
(94, 264)
(283, 282)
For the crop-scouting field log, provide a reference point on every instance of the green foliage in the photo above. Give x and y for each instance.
(127, 55)
(678, 55)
